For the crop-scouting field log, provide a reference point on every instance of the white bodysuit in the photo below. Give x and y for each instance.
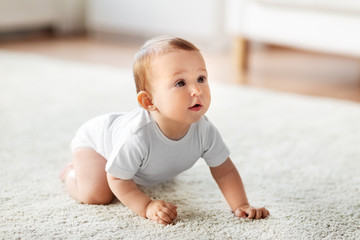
(135, 148)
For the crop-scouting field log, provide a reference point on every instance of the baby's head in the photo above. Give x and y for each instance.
(151, 49)
(171, 80)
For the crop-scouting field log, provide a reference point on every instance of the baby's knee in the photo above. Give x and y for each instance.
(97, 197)
(98, 201)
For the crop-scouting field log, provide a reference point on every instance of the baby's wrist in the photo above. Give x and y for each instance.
(245, 204)
(147, 208)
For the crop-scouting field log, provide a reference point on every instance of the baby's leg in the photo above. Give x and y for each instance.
(85, 178)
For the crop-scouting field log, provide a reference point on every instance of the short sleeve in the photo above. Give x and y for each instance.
(215, 149)
(126, 161)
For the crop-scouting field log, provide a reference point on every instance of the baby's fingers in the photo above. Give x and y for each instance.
(265, 212)
(252, 213)
(160, 221)
(164, 217)
(171, 210)
(258, 213)
(240, 213)
(169, 213)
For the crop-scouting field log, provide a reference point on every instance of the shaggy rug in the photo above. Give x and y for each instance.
(298, 156)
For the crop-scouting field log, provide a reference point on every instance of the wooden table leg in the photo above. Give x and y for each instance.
(241, 56)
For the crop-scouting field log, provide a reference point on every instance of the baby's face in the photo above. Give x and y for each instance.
(179, 86)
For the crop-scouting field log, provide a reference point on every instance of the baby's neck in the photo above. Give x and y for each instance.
(172, 130)
(174, 134)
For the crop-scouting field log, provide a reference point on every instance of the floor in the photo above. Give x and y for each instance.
(270, 67)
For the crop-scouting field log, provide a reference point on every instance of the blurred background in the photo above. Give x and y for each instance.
(299, 46)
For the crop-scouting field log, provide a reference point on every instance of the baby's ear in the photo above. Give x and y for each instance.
(145, 101)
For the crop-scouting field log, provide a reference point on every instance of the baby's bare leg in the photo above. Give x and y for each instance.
(87, 181)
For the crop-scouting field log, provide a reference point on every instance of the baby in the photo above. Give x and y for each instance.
(114, 153)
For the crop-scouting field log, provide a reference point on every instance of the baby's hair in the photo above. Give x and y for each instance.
(155, 47)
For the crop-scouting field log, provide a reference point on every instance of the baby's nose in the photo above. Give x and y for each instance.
(196, 90)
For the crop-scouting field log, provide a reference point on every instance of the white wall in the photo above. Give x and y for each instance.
(16, 14)
(200, 21)
(65, 16)
(197, 20)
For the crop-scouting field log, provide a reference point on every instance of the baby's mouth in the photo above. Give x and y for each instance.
(196, 107)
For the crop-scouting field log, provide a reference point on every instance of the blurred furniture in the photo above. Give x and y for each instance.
(329, 26)
(201, 21)
(63, 16)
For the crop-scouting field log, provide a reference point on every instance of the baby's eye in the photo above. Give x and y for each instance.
(180, 83)
(201, 79)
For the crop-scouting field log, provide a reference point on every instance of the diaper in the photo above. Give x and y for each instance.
(90, 135)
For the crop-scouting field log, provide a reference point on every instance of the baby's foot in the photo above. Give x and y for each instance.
(65, 172)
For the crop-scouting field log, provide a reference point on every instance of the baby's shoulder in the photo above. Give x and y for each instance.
(128, 124)
(206, 128)
(204, 123)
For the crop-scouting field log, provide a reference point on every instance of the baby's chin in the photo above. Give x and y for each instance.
(196, 119)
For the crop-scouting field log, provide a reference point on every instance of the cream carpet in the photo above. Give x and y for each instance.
(299, 156)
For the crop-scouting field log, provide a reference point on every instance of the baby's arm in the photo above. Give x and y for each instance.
(131, 196)
(231, 185)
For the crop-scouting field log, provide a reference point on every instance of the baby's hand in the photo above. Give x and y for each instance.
(161, 211)
(251, 212)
